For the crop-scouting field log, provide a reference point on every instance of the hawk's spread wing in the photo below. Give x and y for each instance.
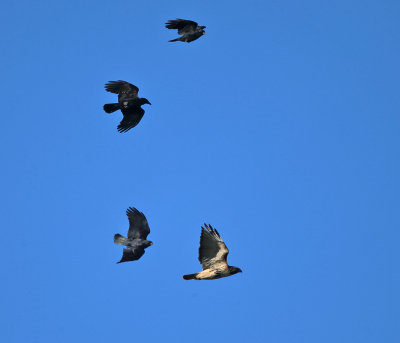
(132, 117)
(122, 88)
(183, 26)
(138, 226)
(132, 254)
(212, 248)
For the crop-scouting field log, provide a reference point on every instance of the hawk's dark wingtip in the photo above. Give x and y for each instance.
(132, 210)
(208, 228)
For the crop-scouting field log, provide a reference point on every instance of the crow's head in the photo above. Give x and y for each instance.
(234, 270)
(144, 101)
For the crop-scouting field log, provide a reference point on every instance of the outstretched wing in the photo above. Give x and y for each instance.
(132, 254)
(124, 89)
(132, 117)
(138, 226)
(183, 26)
(212, 249)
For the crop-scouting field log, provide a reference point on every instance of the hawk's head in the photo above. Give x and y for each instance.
(234, 270)
(147, 243)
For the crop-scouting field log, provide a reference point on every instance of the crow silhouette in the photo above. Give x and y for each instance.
(128, 102)
(189, 30)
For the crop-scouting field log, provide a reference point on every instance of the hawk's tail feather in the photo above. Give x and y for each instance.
(119, 239)
(110, 108)
(174, 40)
(189, 276)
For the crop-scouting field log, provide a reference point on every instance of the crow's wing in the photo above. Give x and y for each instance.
(124, 89)
(132, 117)
(183, 26)
(132, 254)
(138, 226)
(212, 249)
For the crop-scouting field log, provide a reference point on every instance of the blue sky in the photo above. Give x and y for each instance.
(280, 127)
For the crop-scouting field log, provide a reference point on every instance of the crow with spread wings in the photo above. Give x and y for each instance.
(189, 30)
(137, 236)
(128, 102)
(213, 255)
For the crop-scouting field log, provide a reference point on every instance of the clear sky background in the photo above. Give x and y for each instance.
(280, 127)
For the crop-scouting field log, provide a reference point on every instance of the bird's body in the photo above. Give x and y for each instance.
(189, 30)
(209, 274)
(128, 102)
(213, 255)
(136, 241)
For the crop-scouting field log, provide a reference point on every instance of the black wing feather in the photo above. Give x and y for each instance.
(122, 88)
(138, 225)
(132, 117)
(182, 25)
(130, 254)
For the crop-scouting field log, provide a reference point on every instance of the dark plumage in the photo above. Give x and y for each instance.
(128, 102)
(189, 30)
(137, 236)
(213, 255)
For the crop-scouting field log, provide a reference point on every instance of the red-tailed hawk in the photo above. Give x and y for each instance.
(212, 256)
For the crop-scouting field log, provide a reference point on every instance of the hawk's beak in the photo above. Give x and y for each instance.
(204, 32)
(151, 243)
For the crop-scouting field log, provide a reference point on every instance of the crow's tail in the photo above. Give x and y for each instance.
(110, 108)
(119, 239)
(174, 40)
(189, 276)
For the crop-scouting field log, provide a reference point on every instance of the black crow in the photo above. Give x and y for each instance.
(213, 255)
(189, 30)
(128, 102)
(137, 236)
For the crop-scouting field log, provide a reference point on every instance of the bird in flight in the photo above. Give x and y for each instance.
(128, 102)
(213, 255)
(137, 236)
(189, 30)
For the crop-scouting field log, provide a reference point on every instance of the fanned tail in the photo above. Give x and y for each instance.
(119, 239)
(110, 108)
